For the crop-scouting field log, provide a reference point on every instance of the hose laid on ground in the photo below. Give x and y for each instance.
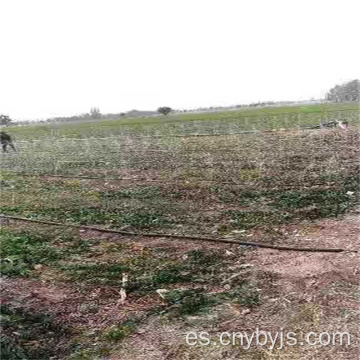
(180, 237)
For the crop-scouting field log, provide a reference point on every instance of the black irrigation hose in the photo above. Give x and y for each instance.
(180, 237)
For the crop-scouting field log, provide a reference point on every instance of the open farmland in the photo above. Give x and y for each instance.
(299, 188)
(246, 119)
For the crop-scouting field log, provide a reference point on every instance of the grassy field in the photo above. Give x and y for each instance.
(246, 119)
(61, 285)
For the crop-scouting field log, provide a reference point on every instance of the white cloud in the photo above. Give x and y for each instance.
(61, 57)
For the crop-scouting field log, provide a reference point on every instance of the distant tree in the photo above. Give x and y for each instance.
(164, 110)
(122, 114)
(5, 120)
(95, 113)
(345, 92)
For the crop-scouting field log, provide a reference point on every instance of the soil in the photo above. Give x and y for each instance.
(309, 290)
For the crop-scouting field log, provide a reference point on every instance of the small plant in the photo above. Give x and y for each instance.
(250, 219)
(146, 192)
(95, 273)
(28, 335)
(170, 275)
(190, 301)
(245, 294)
(90, 354)
(119, 332)
(20, 252)
(203, 258)
(322, 203)
(92, 215)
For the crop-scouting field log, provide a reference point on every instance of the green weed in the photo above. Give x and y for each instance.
(28, 335)
(147, 192)
(189, 302)
(119, 332)
(91, 216)
(250, 219)
(20, 252)
(245, 294)
(315, 204)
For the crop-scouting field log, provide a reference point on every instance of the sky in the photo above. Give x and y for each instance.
(62, 57)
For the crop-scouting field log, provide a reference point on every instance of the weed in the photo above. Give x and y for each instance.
(326, 203)
(204, 259)
(95, 273)
(245, 294)
(92, 215)
(119, 332)
(28, 335)
(90, 354)
(250, 219)
(191, 301)
(146, 271)
(20, 252)
(170, 276)
(147, 192)
(249, 174)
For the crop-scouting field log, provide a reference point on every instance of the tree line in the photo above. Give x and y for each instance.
(346, 92)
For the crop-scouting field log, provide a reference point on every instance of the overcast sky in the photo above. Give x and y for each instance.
(61, 57)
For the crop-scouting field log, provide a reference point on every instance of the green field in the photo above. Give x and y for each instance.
(151, 175)
(247, 119)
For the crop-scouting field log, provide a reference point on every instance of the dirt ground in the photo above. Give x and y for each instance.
(306, 292)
